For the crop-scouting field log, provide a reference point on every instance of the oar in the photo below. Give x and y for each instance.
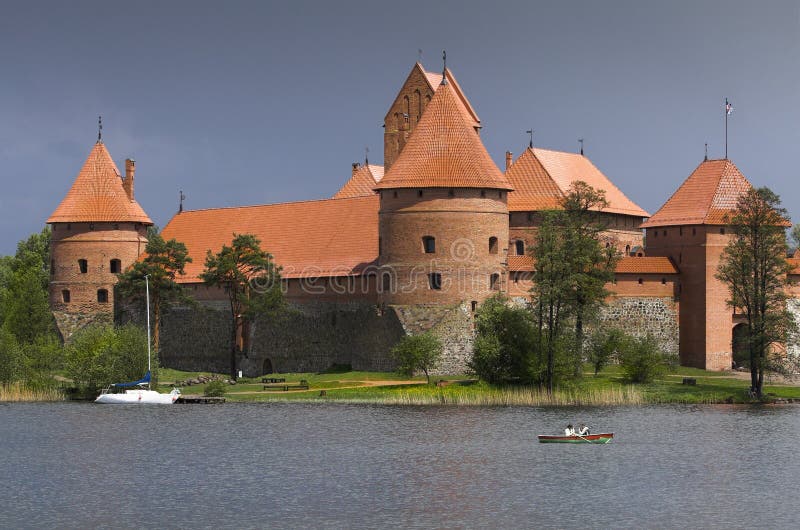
(585, 439)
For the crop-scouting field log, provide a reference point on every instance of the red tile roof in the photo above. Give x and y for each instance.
(97, 194)
(795, 264)
(520, 263)
(541, 177)
(362, 183)
(444, 151)
(646, 265)
(706, 197)
(308, 239)
(435, 81)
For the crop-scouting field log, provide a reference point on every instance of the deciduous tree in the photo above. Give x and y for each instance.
(417, 352)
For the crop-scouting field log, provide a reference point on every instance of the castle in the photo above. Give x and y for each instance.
(414, 245)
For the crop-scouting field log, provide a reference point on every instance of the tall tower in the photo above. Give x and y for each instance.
(691, 228)
(443, 220)
(98, 230)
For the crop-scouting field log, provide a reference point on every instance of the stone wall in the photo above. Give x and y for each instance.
(640, 316)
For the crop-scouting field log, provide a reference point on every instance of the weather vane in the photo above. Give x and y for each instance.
(444, 67)
(99, 128)
(366, 156)
(530, 143)
(581, 142)
(181, 198)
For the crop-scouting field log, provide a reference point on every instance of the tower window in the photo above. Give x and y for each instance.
(493, 245)
(627, 250)
(116, 266)
(494, 282)
(520, 246)
(102, 296)
(451, 193)
(429, 244)
(474, 305)
(483, 193)
(419, 193)
(394, 195)
(386, 280)
(722, 231)
(641, 281)
(694, 231)
(435, 281)
(65, 296)
(83, 265)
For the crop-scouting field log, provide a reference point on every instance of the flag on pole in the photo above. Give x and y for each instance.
(728, 108)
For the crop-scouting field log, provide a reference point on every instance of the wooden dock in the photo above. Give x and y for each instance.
(189, 398)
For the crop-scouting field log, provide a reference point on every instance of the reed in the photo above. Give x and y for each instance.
(18, 392)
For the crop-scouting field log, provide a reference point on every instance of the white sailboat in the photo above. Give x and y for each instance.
(139, 391)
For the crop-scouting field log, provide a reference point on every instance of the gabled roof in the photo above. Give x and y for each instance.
(308, 239)
(362, 183)
(705, 198)
(444, 151)
(97, 194)
(434, 80)
(541, 178)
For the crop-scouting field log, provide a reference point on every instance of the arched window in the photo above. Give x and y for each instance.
(520, 246)
(406, 108)
(65, 296)
(435, 280)
(494, 282)
(102, 296)
(493, 245)
(116, 266)
(627, 250)
(83, 265)
(386, 282)
(429, 244)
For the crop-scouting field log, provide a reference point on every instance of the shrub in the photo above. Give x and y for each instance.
(10, 357)
(605, 347)
(417, 352)
(215, 388)
(642, 360)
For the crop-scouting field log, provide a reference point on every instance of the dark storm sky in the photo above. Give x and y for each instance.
(260, 102)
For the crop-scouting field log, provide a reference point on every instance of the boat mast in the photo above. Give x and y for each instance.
(147, 292)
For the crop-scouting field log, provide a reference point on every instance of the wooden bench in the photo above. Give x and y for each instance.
(302, 385)
(272, 380)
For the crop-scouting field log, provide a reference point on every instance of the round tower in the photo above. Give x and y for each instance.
(443, 220)
(98, 230)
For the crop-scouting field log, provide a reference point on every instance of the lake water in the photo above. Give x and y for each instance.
(346, 466)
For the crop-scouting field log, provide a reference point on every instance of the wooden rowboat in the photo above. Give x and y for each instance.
(600, 438)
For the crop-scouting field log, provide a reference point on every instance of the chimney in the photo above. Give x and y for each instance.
(130, 170)
(356, 166)
(509, 159)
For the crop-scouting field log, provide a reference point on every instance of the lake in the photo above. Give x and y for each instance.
(80, 465)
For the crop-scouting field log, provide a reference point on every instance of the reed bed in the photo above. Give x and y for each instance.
(18, 392)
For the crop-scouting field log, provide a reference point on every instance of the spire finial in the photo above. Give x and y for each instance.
(181, 198)
(581, 142)
(419, 55)
(444, 67)
(99, 128)
(706, 157)
(366, 156)
(530, 143)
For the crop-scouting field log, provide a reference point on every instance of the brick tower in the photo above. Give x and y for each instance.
(443, 220)
(98, 230)
(691, 229)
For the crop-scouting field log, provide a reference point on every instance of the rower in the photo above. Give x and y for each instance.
(583, 430)
(569, 431)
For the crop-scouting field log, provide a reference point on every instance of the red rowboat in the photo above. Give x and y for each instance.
(601, 438)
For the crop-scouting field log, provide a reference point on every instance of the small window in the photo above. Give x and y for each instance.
(102, 296)
(493, 245)
(520, 246)
(83, 265)
(429, 244)
(641, 281)
(665, 233)
(419, 193)
(65, 296)
(435, 281)
(494, 282)
(483, 193)
(627, 250)
(722, 231)
(386, 280)
(694, 231)
(116, 266)
(474, 305)
(394, 195)
(451, 193)
(515, 276)
(680, 230)
(663, 281)
(655, 233)
(530, 216)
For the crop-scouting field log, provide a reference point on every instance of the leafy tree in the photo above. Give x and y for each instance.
(605, 346)
(796, 235)
(641, 359)
(163, 263)
(754, 268)
(505, 339)
(101, 354)
(571, 267)
(417, 352)
(10, 357)
(250, 279)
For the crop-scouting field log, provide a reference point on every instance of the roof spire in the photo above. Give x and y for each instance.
(181, 198)
(530, 143)
(419, 55)
(366, 156)
(444, 68)
(581, 142)
(706, 157)
(100, 129)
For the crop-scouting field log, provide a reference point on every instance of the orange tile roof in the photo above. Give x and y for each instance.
(435, 81)
(541, 177)
(646, 265)
(444, 151)
(97, 194)
(706, 197)
(520, 263)
(362, 183)
(308, 239)
(795, 264)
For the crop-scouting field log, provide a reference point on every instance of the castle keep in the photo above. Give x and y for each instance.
(414, 245)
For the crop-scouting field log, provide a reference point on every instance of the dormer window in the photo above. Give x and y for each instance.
(429, 244)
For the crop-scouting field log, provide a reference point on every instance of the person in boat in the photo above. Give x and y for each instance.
(569, 431)
(583, 430)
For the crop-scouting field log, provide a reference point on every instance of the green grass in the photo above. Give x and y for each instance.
(607, 388)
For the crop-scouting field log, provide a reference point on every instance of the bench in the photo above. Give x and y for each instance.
(689, 381)
(272, 380)
(302, 385)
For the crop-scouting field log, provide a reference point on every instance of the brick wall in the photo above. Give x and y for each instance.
(403, 115)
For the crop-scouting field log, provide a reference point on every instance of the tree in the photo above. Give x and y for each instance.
(250, 279)
(606, 344)
(754, 268)
(641, 359)
(796, 235)
(417, 352)
(505, 339)
(571, 268)
(164, 261)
